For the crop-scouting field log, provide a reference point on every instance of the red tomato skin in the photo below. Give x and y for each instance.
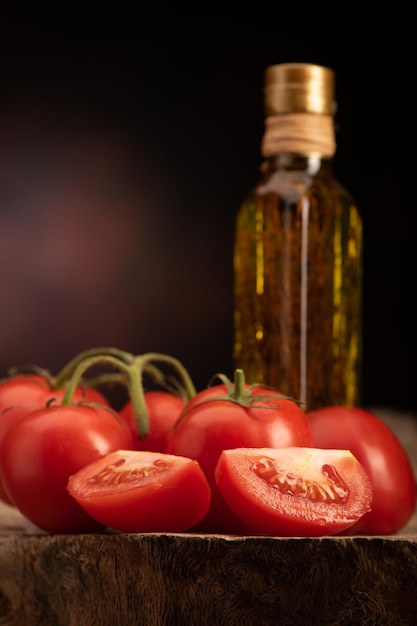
(33, 389)
(9, 417)
(206, 428)
(22, 394)
(43, 449)
(163, 411)
(269, 511)
(382, 455)
(172, 501)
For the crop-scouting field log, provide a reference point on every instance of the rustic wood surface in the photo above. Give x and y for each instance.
(214, 580)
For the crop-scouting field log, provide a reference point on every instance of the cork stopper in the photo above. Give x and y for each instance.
(299, 88)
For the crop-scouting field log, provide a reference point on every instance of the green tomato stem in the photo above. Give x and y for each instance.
(239, 390)
(132, 369)
(142, 363)
(68, 370)
(32, 368)
(134, 384)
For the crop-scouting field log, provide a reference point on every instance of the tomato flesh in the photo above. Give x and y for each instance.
(294, 491)
(141, 491)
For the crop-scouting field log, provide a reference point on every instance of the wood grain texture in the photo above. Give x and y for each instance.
(157, 580)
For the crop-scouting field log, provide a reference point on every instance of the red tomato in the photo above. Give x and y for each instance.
(216, 419)
(22, 394)
(286, 492)
(35, 389)
(141, 491)
(382, 455)
(163, 410)
(41, 451)
(9, 417)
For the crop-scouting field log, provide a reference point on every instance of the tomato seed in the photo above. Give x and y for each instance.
(331, 489)
(111, 475)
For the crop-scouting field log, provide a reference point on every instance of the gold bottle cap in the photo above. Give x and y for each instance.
(299, 88)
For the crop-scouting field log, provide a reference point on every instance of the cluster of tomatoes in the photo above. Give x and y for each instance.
(231, 458)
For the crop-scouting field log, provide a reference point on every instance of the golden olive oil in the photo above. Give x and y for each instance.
(298, 255)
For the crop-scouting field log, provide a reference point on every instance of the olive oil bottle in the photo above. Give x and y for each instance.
(298, 251)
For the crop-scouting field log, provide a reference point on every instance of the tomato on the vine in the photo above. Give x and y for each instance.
(233, 416)
(45, 442)
(41, 451)
(141, 491)
(163, 409)
(23, 393)
(382, 455)
(34, 389)
(294, 491)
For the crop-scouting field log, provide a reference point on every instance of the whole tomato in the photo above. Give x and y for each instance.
(21, 394)
(9, 417)
(382, 455)
(42, 450)
(34, 389)
(163, 410)
(235, 415)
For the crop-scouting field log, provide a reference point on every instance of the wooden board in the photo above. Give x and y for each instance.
(213, 580)
(198, 580)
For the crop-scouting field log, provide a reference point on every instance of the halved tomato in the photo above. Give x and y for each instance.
(294, 491)
(141, 491)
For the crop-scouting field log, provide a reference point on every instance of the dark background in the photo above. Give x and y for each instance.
(127, 143)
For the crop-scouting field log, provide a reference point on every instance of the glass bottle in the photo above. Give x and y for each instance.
(298, 251)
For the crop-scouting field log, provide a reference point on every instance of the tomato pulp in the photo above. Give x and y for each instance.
(294, 491)
(142, 491)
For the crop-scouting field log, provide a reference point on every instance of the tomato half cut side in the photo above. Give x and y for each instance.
(307, 492)
(138, 491)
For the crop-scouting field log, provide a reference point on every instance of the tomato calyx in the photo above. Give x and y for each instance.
(240, 393)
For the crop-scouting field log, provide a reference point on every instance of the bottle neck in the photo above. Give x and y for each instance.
(299, 133)
(307, 164)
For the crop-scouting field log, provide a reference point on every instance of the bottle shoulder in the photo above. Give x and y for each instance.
(291, 184)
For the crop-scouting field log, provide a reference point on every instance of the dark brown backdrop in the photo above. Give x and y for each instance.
(127, 142)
